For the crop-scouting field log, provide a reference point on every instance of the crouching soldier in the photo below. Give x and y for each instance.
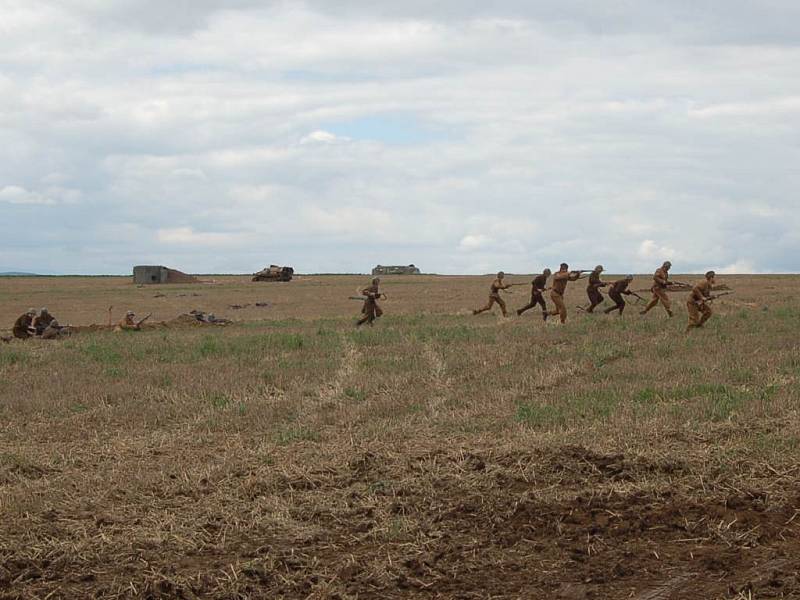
(698, 304)
(23, 326)
(54, 331)
(616, 291)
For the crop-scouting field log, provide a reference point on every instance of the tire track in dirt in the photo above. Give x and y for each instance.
(667, 589)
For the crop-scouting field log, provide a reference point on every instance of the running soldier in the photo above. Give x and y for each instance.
(697, 304)
(538, 286)
(558, 288)
(371, 310)
(494, 295)
(593, 288)
(616, 291)
(660, 284)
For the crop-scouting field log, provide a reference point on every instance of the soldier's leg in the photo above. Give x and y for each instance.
(705, 309)
(619, 303)
(595, 298)
(694, 315)
(653, 301)
(528, 306)
(561, 308)
(541, 301)
(665, 302)
(502, 304)
(556, 298)
(484, 308)
(378, 311)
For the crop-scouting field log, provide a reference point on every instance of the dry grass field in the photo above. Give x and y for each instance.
(435, 455)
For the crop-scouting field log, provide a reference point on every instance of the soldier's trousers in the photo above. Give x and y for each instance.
(619, 302)
(595, 298)
(492, 299)
(561, 308)
(371, 312)
(659, 295)
(536, 299)
(698, 313)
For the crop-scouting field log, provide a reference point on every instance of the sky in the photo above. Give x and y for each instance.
(462, 136)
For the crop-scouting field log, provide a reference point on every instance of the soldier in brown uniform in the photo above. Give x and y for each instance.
(24, 324)
(659, 289)
(593, 288)
(128, 323)
(559, 286)
(371, 310)
(54, 331)
(494, 295)
(41, 322)
(697, 303)
(538, 286)
(616, 291)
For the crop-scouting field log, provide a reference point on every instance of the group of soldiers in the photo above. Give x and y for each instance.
(698, 304)
(42, 325)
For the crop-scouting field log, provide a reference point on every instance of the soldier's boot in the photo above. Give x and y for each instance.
(545, 314)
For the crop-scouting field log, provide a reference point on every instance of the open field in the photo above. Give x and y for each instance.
(436, 455)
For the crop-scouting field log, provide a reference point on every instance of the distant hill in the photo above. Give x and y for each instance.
(17, 274)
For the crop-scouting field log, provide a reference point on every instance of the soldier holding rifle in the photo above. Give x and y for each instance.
(661, 284)
(616, 291)
(593, 288)
(371, 310)
(494, 295)
(560, 281)
(698, 303)
(538, 286)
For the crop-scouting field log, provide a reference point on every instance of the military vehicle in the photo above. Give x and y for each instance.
(274, 273)
(395, 270)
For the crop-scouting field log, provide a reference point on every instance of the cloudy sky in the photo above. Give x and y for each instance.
(222, 135)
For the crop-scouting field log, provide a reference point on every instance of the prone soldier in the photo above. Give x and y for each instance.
(371, 310)
(660, 284)
(54, 331)
(538, 286)
(128, 323)
(494, 295)
(23, 326)
(616, 291)
(558, 288)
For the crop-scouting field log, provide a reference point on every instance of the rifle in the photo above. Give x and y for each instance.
(139, 323)
(712, 298)
(364, 298)
(637, 296)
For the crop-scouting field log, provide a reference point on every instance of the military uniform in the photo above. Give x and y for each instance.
(659, 289)
(538, 285)
(41, 322)
(52, 331)
(22, 326)
(494, 296)
(370, 310)
(697, 305)
(615, 292)
(560, 281)
(127, 324)
(593, 290)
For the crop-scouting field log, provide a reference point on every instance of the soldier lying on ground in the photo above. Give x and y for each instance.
(205, 317)
(23, 326)
(54, 331)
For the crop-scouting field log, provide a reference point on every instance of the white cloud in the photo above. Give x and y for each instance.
(321, 137)
(650, 250)
(14, 194)
(187, 236)
(740, 267)
(474, 242)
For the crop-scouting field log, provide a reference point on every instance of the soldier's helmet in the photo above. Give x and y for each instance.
(599, 268)
(546, 272)
(500, 275)
(32, 312)
(564, 266)
(54, 323)
(629, 277)
(667, 264)
(710, 274)
(44, 311)
(130, 313)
